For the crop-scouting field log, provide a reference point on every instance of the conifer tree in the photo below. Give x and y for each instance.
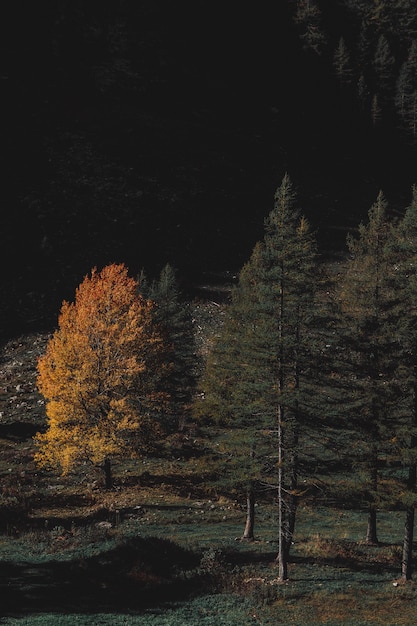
(363, 94)
(367, 305)
(342, 64)
(406, 92)
(376, 111)
(378, 15)
(173, 316)
(100, 374)
(256, 374)
(384, 64)
(308, 18)
(405, 283)
(363, 46)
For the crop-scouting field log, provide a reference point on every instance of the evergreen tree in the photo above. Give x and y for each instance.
(261, 363)
(363, 94)
(308, 19)
(363, 48)
(405, 20)
(367, 304)
(376, 111)
(405, 283)
(222, 401)
(384, 65)
(173, 316)
(379, 15)
(342, 64)
(406, 92)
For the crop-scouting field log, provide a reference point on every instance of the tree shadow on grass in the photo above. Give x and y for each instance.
(139, 574)
(151, 572)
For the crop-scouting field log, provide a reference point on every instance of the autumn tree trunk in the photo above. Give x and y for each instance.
(108, 478)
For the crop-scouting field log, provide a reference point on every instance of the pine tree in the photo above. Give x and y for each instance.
(173, 316)
(376, 111)
(378, 15)
(406, 92)
(308, 18)
(258, 371)
(367, 305)
(363, 48)
(100, 374)
(363, 94)
(405, 283)
(384, 65)
(223, 400)
(342, 64)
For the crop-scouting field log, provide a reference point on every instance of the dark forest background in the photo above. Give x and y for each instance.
(152, 131)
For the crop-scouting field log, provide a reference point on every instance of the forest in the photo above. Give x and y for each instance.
(208, 372)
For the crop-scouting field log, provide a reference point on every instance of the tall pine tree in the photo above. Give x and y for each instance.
(367, 305)
(257, 374)
(172, 315)
(406, 92)
(405, 283)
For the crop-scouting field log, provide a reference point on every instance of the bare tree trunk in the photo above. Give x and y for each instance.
(407, 560)
(281, 557)
(371, 533)
(292, 498)
(248, 534)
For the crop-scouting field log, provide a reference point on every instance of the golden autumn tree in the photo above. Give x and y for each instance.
(100, 374)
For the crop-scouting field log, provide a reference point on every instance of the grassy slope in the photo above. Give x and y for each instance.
(161, 547)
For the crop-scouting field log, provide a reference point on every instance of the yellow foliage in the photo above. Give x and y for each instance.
(99, 370)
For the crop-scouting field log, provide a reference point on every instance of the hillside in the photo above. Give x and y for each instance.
(148, 133)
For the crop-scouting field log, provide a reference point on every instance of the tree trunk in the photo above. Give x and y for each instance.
(108, 474)
(371, 534)
(281, 558)
(292, 499)
(250, 516)
(407, 560)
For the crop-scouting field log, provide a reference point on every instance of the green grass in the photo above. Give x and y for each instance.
(214, 610)
(162, 548)
(169, 521)
(335, 578)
